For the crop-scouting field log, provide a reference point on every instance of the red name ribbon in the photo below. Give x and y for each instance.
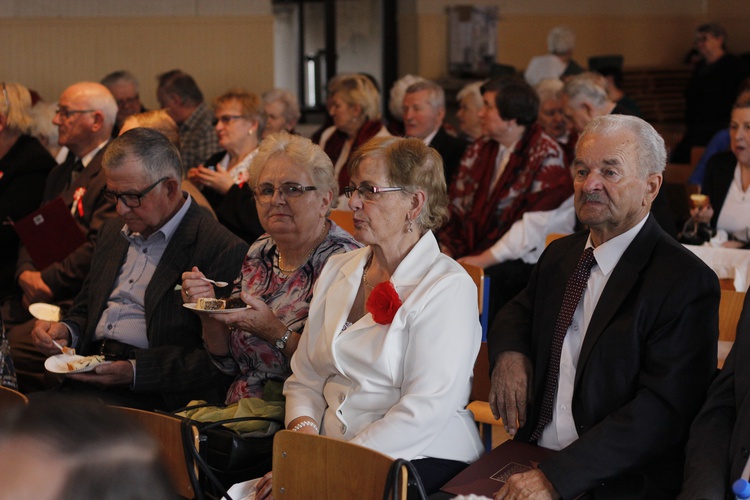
(383, 303)
(78, 200)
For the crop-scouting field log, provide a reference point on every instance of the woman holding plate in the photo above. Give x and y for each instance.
(387, 356)
(294, 191)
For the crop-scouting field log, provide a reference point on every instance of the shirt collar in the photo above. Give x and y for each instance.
(608, 254)
(429, 138)
(90, 155)
(168, 228)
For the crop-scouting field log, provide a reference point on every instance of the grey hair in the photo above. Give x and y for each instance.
(121, 76)
(291, 111)
(155, 151)
(586, 87)
(398, 91)
(651, 152)
(302, 152)
(549, 88)
(436, 93)
(561, 40)
(472, 91)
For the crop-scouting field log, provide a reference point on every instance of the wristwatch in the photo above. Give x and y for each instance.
(281, 343)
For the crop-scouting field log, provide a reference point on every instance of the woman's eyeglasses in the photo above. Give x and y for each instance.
(369, 193)
(264, 193)
(226, 119)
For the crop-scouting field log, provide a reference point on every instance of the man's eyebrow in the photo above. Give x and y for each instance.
(612, 162)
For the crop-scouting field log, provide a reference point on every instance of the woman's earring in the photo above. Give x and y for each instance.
(410, 229)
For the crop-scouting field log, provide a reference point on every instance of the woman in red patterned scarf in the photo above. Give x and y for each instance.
(514, 168)
(354, 106)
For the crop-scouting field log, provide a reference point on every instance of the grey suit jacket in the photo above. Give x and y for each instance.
(175, 364)
(645, 364)
(719, 444)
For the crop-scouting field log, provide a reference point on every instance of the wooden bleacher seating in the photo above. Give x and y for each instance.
(343, 218)
(492, 430)
(316, 467)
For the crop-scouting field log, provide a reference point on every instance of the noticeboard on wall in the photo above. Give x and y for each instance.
(472, 40)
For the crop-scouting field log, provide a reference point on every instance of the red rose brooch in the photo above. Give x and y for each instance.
(383, 303)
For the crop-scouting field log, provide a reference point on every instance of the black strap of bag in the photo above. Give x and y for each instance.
(415, 489)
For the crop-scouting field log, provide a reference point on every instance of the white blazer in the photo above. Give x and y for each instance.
(400, 389)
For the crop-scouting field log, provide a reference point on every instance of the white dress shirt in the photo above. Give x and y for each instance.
(734, 217)
(561, 431)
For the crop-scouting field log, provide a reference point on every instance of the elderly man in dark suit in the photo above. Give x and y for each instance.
(424, 112)
(717, 450)
(608, 352)
(85, 116)
(130, 309)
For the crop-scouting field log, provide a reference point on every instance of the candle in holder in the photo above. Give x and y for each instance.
(699, 200)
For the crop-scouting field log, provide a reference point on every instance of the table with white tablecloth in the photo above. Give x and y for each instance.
(727, 263)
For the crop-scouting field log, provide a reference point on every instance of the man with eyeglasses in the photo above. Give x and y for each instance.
(85, 116)
(180, 97)
(130, 309)
(124, 88)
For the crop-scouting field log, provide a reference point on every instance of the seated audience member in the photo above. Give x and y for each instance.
(124, 88)
(713, 87)
(513, 169)
(613, 77)
(43, 130)
(24, 166)
(424, 112)
(129, 309)
(84, 119)
(159, 120)
(396, 101)
(716, 452)
(559, 62)
(281, 110)
(354, 105)
(180, 96)
(294, 191)
(585, 98)
(238, 120)
(393, 327)
(607, 354)
(469, 103)
(552, 117)
(63, 448)
(727, 181)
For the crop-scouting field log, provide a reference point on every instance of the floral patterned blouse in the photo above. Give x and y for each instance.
(253, 360)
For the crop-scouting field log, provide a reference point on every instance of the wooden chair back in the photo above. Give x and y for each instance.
(730, 308)
(552, 237)
(492, 431)
(10, 398)
(167, 430)
(343, 218)
(316, 467)
(483, 295)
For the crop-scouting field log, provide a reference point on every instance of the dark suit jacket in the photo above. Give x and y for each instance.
(451, 149)
(719, 444)
(23, 172)
(65, 278)
(717, 179)
(175, 364)
(645, 364)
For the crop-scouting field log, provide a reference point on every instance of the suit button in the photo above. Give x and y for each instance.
(343, 429)
(745, 452)
(341, 397)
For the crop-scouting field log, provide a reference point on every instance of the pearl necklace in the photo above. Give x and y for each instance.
(318, 241)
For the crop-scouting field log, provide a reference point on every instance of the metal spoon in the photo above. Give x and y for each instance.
(220, 284)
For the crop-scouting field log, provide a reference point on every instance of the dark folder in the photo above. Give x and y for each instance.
(50, 233)
(489, 473)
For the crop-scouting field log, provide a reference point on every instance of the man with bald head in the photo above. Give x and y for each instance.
(85, 117)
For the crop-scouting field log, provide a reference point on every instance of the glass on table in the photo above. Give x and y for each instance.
(699, 201)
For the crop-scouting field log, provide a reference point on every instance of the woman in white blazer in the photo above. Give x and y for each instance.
(386, 357)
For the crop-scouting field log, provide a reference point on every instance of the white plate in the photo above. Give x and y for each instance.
(46, 312)
(193, 307)
(59, 364)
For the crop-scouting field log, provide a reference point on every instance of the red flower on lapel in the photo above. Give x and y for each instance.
(78, 200)
(383, 303)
